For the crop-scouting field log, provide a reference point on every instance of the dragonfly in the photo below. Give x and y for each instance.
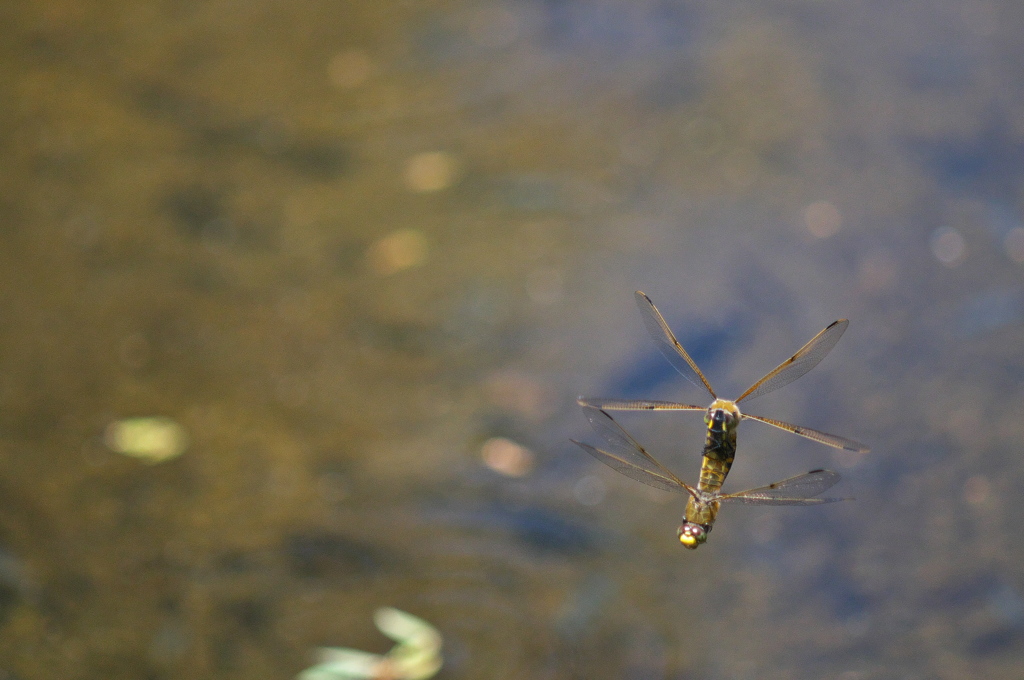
(723, 416)
(629, 458)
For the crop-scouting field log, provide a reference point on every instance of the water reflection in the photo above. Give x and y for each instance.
(366, 255)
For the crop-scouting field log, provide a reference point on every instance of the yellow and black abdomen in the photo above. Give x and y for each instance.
(719, 453)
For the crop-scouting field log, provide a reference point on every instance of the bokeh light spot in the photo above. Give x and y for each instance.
(948, 246)
(590, 490)
(1014, 244)
(507, 457)
(822, 219)
(977, 490)
(431, 171)
(397, 251)
(151, 440)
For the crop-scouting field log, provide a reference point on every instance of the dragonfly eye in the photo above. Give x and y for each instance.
(692, 535)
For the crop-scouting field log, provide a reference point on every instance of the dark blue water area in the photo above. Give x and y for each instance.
(988, 599)
(988, 164)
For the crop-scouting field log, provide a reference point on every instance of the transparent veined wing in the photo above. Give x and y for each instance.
(799, 490)
(627, 456)
(668, 345)
(804, 360)
(825, 438)
(636, 405)
(632, 470)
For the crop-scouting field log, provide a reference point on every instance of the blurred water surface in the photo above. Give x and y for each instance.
(366, 255)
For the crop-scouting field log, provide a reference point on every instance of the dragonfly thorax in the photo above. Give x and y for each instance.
(692, 534)
(722, 416)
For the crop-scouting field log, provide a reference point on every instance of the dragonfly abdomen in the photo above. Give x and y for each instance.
(719, 452)
(713, 472)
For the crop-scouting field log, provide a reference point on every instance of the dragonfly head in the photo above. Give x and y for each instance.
(691, 534)
(722, 416)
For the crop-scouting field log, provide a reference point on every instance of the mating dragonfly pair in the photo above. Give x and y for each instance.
(722, 418)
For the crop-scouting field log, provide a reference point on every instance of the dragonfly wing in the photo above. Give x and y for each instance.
(804, 360)
(668, 345)
(633, 471)
(636, 405)
(825, 438)
(799, 490)
(626, 449)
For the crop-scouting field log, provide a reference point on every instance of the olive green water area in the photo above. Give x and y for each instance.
(352, 263)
